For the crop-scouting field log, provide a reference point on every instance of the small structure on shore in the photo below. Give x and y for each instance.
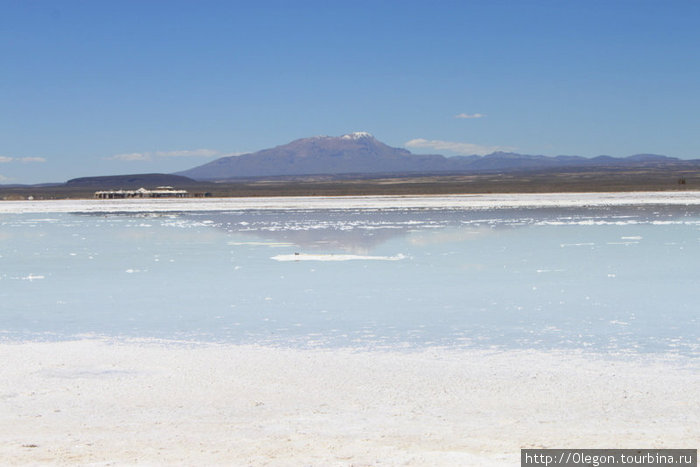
(159, 192)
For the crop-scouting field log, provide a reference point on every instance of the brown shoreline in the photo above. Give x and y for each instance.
(572, 181)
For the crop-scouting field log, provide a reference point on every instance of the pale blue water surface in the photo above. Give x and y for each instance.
(607, 279)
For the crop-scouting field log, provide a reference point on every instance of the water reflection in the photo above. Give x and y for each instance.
(362, 231)
(614, 279)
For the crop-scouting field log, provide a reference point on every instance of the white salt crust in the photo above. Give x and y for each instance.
(156, 403)
(490, 201)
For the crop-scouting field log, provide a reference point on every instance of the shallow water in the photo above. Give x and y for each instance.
(608, 279)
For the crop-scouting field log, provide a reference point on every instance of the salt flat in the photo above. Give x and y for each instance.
(106, 402)
(548, 286)
(491, 201)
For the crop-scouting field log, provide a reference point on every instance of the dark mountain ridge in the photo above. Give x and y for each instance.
(131, 181)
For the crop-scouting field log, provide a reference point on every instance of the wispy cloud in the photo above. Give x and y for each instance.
(131, 156)
(455, 147)
(31, 159)
(188, 153)
(150, 155)
(463, 115)
(5, 159)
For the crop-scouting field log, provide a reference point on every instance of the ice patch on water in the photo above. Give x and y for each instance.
(333, 257)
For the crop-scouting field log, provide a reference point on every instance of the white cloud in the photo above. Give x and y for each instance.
(188, 153)
(463, 115)
(131, 156)
(32, 159)
(5, 159)
(456, 147)
(149, 156)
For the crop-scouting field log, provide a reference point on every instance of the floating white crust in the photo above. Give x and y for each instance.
(333, 257)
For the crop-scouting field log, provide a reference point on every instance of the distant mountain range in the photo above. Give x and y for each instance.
(361, 153)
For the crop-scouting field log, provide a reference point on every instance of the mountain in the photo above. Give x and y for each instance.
(357, 152)
(362, 153)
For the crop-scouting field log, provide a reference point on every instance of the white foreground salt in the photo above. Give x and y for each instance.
(490, 201)
(100, 402)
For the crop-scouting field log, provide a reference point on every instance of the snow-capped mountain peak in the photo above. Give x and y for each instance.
(357, 135)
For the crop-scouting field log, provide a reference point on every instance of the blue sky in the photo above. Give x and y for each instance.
(113, 87)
